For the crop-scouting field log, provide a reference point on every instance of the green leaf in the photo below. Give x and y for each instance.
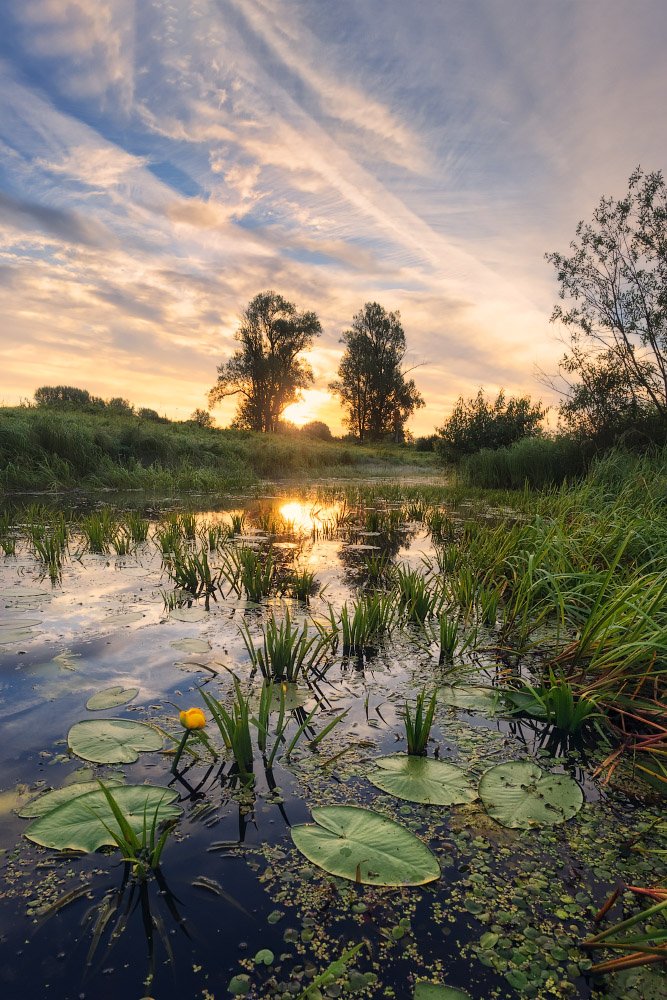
(44, 804)
(239, 986)
(521, 795)
(471, 699)
(264, 957)
(112, 741)
(432, 991)
(419, 779)
(363, 846)
(79, 825)
(111, 698)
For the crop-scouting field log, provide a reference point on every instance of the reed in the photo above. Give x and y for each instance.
(286, 652)
(418, 723)
(371, 617)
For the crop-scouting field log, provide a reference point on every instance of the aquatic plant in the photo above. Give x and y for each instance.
(249, 571)
(193, 720)
(418, 725)
(300, 584)
(98, 528)
(234, 727)
(287, 651)
(192, 572)
(137, 527)
(448, 636)
(419, 779)
(418, 602)
(121, 542)
(364, 847)
(641, 949)
(142, 851)
(237, 523)
(521, 795)
(372, 616)
(556, 703)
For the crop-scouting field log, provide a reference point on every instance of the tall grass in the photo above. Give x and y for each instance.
(539, 462)
(287, 653)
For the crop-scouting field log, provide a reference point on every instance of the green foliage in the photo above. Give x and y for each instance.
(364, 847)
(418, 779)
(130, 818)
(418, 725)
(202, 418)
(234, 727)
(556, 703)
(372, 616)
(287, 652)
(371, 384)
(418, 602)
(521, 795)
(112, 741)
(267, 372)
(613, 282)
(316, 429)
(534, 461)
(479, 422)
(192, 572)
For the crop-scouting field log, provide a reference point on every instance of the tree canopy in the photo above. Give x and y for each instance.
(266, 371)
(479, 422)
(371, 384)
(614, 286)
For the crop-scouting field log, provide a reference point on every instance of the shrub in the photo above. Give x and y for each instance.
(317, 429)
(478, 423)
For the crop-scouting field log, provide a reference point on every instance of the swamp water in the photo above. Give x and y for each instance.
(234, 907)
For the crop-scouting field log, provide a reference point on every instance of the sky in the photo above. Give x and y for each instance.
(163, 162)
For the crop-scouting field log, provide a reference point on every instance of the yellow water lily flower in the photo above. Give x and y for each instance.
(193, 718)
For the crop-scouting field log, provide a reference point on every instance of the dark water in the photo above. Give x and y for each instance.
(231, 883)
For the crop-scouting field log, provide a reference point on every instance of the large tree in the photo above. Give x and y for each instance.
(266, 371)
(371, 383)
(614, 284)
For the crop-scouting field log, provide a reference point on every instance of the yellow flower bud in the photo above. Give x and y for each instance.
(194, 718)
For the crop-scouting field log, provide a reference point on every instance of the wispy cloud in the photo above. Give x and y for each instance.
(162, 163)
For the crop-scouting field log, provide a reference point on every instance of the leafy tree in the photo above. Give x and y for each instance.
(267, 372)
(614, 283)
(317, 429)
(62, 395)
(478, 423)
(202, 418)
(147, 413)
(123, 407)
(372, 387)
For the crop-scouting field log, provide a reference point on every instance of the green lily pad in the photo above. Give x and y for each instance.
(12, 635)
(191, 645)
(433, 991)
(188, 614)
(112, 741)
(111, 698)
(122, 618)
(79, 825)
(471, 699)
(363, 846)
(49, 801)
(521, 795)
(524, 701)
(419, 779)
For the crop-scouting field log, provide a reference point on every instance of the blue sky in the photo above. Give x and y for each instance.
(161, 163)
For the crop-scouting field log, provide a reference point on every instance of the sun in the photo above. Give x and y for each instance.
(307, 408)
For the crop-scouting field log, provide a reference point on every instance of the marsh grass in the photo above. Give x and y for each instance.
(234, 727)
(287, 652)
(371, 617)
(418, 723)
(192, 572)
(142, 852)
(98, 530)
(300, 584)
(417, 600)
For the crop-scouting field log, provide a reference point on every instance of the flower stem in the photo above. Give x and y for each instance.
(181, 747)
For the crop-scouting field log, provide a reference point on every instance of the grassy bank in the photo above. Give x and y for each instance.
(47, 449)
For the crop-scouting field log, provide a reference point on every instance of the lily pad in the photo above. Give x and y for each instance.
(49, 801)
(11, 635)
(188, 614)
(419, 779)
(472, 699)
(111, 698)
(363, 846)
(433, 991)
(122, 618)
(191, 645)
(112, 741)
(79, 825)
(521, 795)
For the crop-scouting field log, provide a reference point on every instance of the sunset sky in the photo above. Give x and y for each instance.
(162, 162)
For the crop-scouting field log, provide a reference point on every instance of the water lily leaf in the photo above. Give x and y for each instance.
(188, 614)
(521, 795)
(363, 846)
(122, 618)
(49, 801)
(111, 698)
(191, 645)
(524, 701)
(112, 741)
(433, 991)
(473, 699)
(79, 825)
(11, 635)
(419, 779)
(18, 623)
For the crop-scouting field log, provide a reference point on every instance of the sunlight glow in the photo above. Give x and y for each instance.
(308, 408)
